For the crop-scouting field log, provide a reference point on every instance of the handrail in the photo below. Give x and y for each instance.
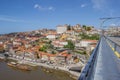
(114, 46)
(85, 74)
(112, 41)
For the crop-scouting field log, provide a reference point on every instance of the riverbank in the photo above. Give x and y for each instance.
(72, 74)
(39, 73)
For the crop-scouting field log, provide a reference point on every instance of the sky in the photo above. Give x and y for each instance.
(27, 15)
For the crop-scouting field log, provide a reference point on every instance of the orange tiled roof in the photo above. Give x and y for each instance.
(64, 53)
(47, 54)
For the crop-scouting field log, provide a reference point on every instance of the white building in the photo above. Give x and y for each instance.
(17, 43)
(85, 43)
(1, 42)
(51, 36)
(58, 43)
(61, 29)
(77, 27)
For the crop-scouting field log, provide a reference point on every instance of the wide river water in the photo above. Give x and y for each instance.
(9, 73)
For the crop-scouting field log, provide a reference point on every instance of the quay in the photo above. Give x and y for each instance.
(36, 63)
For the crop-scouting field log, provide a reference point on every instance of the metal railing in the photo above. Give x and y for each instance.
(115, 46)
(88, 70)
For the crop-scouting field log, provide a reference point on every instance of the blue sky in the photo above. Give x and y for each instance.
(27, 15)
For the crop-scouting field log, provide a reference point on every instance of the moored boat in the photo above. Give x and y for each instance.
(12, 64)
(19, 66)
(23, 67)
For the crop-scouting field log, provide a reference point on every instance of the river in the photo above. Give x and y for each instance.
(9, 73)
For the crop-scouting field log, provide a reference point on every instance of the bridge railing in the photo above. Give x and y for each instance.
(88, 70)
(114, 46)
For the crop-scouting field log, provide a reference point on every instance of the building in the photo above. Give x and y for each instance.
(85, 43)
(61, 29)
(77, 27)
(63, 57)
(47, 56)
(51, 36)
(114, 30)
(58, 43)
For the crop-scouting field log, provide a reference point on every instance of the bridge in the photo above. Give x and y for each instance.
(104, 62)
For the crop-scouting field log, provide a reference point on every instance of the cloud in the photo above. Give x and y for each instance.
(39, 7)
(112, 24)
(99, 4)
(51, 8)
(83, 5)
(103, 6)
(9, 19)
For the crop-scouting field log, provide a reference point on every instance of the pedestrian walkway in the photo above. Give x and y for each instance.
(108, 65)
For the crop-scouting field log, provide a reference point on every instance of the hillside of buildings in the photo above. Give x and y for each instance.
(66, 46)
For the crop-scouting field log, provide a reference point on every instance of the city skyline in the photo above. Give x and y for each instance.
(27, 15)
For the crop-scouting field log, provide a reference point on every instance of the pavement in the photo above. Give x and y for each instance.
(108, 65)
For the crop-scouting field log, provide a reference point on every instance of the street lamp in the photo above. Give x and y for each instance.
(103, 20)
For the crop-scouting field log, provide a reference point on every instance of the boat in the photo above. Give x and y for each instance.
(23, 67)
(12, 64)
(19, 66)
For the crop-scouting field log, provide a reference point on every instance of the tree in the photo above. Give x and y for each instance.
(70, 45)
(50, 42)
(84, 52)
(53, 52)
(88, 28)
(91, 37)
(43, 48)
(36, 55)
(84, 27)
(68, 27)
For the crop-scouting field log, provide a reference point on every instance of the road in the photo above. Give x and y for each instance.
(108, 65)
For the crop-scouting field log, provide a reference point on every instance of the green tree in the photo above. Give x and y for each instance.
(84, 52)
(88, 28)
(44, 48)
(70, 45)
(92, 37)
(53, 52)
(84, 27)
(68, 27)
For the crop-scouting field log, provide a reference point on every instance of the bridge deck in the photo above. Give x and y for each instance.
(108, 65)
